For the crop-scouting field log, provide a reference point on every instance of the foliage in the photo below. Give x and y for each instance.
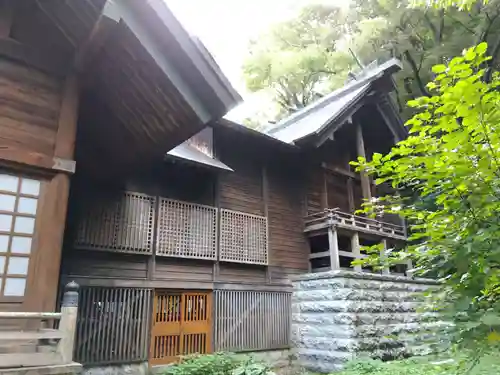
(294, 58)
(462, 4)
(451, 156)
(421, 366)
(311, 54)
(217, 364)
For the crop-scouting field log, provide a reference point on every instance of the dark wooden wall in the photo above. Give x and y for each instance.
(29, 108)
(263, 183)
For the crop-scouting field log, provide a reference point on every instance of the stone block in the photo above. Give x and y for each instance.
(339, 315)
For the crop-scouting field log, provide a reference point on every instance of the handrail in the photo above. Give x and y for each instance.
(53, 346)
(29, 315)
(338, 217)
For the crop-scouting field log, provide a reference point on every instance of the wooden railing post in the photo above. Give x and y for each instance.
(67, 325)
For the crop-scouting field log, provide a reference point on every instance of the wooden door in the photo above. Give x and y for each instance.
(182, 325)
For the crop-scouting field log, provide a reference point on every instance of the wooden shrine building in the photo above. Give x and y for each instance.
(181, 228)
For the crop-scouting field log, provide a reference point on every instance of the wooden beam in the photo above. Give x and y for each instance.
(324, 191)
(334, 248)
(52, 63)
(152, 258)
(50, 16)
(217, 203)
(52, 212)
(265, 204)
(388, 122)
(68, 118)
(6, 17)
(100, 35)
(17, 156)
(360, 147)
(323, 254)
(350, 194)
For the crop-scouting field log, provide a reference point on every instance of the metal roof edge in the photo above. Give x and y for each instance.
(389, 67)
(217, 86)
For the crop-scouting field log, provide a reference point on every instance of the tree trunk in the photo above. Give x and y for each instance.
(416, 73)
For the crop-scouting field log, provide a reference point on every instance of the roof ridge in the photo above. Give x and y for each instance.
(327, 99)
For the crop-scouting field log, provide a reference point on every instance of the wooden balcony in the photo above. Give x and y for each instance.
(29, 344)
(335, 218)
(136, 223)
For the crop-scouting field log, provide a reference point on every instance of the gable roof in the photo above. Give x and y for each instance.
(317, 116)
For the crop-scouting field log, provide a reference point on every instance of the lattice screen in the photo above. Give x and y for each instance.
(186, 230)
(123, 224)
(243, 238)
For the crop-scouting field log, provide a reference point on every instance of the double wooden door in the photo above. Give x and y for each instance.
(182, 325)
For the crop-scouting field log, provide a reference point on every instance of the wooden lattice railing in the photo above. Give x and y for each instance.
(248, 320)
(131, 222)
(243, 238)
(353, 222)
(186, 230)
(122, 223)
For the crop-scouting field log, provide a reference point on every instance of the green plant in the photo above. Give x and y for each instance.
(211, 364)
(421, 366)
(250, 367)
(448, 173)
(217, 364)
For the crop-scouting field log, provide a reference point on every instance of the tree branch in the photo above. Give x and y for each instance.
(416, 73)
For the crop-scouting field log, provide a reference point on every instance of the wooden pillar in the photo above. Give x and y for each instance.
(42, 296)
(324, 192)
(350, 194)
(67, 325)
(152, 258)
(360, 147)
(265, 202)
(356, 249)
(385, 270)
(217, 193)
(334, 248)
(409, 264)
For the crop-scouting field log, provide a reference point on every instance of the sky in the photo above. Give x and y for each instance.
(227, 26)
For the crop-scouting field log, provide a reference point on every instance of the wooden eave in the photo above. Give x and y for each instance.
(146, 85)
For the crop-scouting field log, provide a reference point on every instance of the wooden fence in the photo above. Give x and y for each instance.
(113, 325)
(247, 320)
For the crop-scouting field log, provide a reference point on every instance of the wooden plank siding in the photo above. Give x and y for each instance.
(87, 263)
(29, 108)
(243, 190)
(288, 246)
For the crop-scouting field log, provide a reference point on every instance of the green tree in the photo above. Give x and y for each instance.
(452, 156)
(311, 54)
(296, 58)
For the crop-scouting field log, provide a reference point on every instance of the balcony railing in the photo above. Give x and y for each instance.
(133, 223)
(337, 218)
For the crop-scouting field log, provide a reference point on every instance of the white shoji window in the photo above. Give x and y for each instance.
(18, 206)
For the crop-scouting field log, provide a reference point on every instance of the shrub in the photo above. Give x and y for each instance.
(422, 366)
(217, 364)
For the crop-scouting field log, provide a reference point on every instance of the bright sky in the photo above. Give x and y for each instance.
(226, 27)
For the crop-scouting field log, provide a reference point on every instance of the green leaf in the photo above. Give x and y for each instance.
(439, 68)
(470, 54)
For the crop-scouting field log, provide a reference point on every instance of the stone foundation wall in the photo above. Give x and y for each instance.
(274, 358)
(340, 315)
(126, 369)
